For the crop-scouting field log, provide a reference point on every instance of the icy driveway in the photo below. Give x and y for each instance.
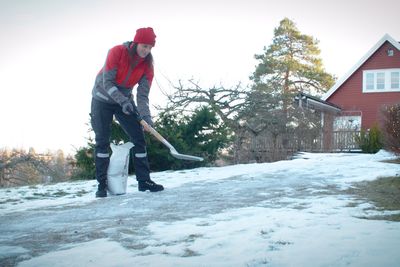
(288, 213)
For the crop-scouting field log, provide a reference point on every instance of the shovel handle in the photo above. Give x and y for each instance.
(147, 127)
(172, 150)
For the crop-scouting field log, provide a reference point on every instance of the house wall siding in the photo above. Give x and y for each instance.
(349, 95)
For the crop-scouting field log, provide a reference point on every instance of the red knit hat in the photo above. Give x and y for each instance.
(145, 36)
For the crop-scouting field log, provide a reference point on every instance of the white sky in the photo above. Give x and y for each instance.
(52, 50)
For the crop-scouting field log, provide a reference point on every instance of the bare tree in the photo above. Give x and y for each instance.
(226, 102)
(234, 106)
(20, 168)
(16, 168)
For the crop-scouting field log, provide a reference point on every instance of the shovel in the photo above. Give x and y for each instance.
(172, 150)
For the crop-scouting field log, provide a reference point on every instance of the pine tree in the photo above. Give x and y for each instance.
(290, 64)
(200, 134)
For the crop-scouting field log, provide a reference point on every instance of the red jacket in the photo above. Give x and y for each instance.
(124, 69)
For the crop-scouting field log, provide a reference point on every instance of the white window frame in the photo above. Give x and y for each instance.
(387, 80)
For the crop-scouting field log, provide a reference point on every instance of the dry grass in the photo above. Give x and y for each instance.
(395, 161)
(384, 193)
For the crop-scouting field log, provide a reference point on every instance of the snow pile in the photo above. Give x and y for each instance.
(287, 213)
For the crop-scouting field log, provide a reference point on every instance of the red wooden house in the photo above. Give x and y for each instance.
(361, 94)
(370, 85)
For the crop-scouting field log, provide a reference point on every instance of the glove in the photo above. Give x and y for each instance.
(123, 101)
(127, 107)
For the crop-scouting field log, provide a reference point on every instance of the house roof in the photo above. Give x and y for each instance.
(315, 103)
(339, 82)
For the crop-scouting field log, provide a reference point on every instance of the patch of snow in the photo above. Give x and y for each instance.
(286, 213)
(12, 250)
(100, 252)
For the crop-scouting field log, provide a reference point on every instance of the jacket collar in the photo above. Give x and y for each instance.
(133, 56)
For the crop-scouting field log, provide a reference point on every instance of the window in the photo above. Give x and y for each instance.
(383, 80)
(380, 80)
(342, 123)
(370, 81)
(394, 80)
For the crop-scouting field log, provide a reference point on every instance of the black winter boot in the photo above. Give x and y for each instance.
(101, 190)
(149, 185)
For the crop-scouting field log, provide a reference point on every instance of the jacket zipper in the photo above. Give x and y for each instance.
(131, 68)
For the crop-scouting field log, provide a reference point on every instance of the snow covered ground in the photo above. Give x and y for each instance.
(287, 213)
